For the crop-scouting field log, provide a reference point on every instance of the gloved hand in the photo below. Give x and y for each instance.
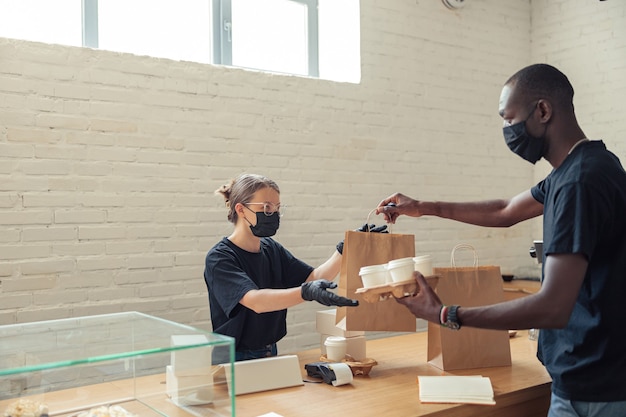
(316, 291)
(372, 228)
(365, 228)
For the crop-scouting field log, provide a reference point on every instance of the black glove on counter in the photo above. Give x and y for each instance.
(365, 228)
(316, 291)
(321, 370)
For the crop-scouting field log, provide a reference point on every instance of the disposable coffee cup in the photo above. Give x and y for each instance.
(401, 269)
(374, 275)
(336, 347)
(424, 265)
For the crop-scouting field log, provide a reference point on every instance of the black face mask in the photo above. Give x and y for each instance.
(522, 143)
(266, 226)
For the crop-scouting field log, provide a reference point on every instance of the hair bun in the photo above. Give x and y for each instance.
(225, 191)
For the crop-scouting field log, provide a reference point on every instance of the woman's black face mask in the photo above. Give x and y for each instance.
(266, 226)
(522, 143)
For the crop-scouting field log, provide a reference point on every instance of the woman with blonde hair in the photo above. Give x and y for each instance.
(252, 279)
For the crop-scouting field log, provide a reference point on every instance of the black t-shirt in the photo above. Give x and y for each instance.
(230, 272)
(585, 213)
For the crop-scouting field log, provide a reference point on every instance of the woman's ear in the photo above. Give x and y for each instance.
(239, 209)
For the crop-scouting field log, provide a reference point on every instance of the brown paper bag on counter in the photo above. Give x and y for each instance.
(364, 249)
(468, 347)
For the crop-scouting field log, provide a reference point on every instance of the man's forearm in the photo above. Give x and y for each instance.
(484, 213)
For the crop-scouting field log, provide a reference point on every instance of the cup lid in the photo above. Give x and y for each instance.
(331, 340)
(400, 262)
(372, 268)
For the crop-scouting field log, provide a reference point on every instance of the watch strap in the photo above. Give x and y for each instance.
(452, 318)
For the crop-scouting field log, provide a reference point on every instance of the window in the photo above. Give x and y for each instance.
(53, 21)
(340, 40)
(176, 29)
(256, 34)
(318, 38)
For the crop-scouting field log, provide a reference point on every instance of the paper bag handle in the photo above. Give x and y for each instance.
(368, 222)
(463, 246)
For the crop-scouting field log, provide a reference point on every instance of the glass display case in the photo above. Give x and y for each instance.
(123, 364)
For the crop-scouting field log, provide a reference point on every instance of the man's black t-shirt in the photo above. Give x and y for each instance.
(585, 213)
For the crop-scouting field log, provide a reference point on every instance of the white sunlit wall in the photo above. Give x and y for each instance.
(109, 160)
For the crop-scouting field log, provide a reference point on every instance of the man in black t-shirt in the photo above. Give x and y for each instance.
(583, 203)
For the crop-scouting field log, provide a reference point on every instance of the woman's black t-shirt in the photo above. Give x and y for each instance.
(230, 272)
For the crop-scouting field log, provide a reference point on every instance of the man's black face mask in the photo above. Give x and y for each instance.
(522, 143)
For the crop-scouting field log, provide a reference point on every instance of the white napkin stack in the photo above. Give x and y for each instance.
(474, 389)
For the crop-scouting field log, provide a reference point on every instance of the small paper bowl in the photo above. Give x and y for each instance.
(358, 368)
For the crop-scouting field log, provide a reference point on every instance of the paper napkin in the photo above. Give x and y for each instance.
(474, 389)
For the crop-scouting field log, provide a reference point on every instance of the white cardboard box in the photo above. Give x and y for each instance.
(190, 362)
(265, 374)
(325, 324)
(188, 390)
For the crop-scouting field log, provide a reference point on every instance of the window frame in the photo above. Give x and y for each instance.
(90, 23)
(222, 34)
(221, 16)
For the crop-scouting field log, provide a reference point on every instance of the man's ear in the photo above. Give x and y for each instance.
(545, 110)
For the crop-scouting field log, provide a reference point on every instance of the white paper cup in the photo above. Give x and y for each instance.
(335, 348)
(424, 265)
(401, 269)
(374, 275)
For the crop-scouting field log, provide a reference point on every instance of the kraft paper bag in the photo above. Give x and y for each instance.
(468, 347)
(364, 249)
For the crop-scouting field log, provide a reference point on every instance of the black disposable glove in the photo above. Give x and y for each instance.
(321, 370)
(365, 228)
(316, 291)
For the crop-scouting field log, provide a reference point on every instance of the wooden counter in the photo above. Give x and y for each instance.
(519, 288)
(521, 390)
(391, 389)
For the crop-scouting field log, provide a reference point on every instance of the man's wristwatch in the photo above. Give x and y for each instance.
(452, 319)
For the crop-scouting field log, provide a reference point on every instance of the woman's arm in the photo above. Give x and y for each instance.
(265, 300)
(269, 299)
(328, 270)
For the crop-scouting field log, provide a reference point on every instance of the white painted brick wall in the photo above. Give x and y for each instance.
(108, 161)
